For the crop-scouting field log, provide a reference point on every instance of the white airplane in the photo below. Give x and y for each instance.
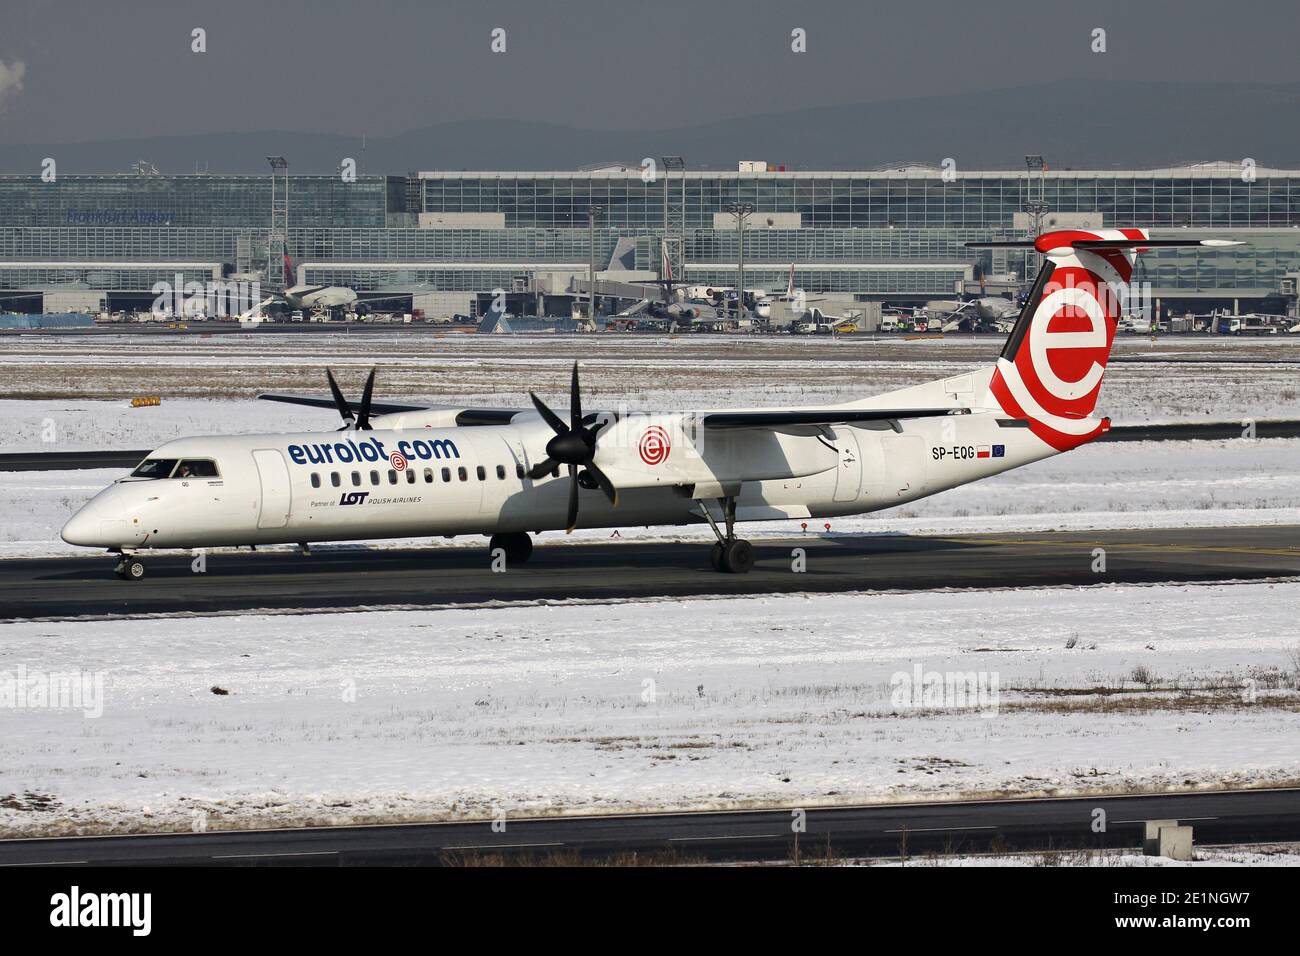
(319, 299)
(411, 471)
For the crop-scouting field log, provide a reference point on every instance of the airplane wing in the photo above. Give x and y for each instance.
(376, 408)
(817, 416)
(464, 416)
(258, 308)
(384, 298)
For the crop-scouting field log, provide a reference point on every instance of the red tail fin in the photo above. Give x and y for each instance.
(1051, 368)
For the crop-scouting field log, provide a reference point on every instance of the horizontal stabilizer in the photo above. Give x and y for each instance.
(1101, 243)
(818, 416)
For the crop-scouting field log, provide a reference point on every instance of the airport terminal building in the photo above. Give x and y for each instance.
(893, 235)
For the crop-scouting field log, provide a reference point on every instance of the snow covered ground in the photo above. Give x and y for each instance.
(84, 383)
(1108, 485)
(271, 720)
(86, 425)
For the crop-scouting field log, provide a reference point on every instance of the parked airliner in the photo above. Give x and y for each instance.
(412, 471)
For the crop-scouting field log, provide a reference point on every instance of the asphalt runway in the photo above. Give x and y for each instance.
(359, 578)
(1234, 817)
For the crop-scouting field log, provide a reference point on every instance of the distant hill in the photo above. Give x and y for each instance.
(1075, 124)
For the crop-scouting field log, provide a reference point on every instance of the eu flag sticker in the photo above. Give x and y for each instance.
(999, 451)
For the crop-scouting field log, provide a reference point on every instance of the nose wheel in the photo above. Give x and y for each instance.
(731, 554)
(130, 569)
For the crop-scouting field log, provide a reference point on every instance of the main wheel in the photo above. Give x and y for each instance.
(715, 556)
(738, 557)
(132, 569)
(517, 546)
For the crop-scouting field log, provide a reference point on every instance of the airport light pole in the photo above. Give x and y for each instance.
(277, 240)
(1036, 207)
(742, 211)
(592, 213)
(674, 237)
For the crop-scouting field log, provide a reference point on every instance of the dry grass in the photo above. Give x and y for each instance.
(1174, 701)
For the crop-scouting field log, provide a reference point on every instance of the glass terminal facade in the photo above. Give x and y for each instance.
(872, 234)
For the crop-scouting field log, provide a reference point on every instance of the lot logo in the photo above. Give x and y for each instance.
(354, 497)
(398, 461)
(654, 446)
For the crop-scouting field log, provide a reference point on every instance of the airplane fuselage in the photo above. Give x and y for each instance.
(427, 482)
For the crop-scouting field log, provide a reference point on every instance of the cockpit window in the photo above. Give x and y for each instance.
(197, 468)
(155, 468)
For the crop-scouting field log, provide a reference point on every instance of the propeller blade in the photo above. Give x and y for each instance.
(606, 485)
(363, 416)
(552, 419)
(541, 469)
(571, 521)
(345, 410)
(575, 401)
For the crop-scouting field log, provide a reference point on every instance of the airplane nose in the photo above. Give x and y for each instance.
(82, 529)
(97, 526)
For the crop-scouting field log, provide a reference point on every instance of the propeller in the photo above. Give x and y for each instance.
(573, 445)
(360, 421)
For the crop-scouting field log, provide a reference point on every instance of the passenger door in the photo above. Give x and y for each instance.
(277, 495)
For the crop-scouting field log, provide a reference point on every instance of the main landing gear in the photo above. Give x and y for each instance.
(730, 553)
(129, 568)
(517, 545)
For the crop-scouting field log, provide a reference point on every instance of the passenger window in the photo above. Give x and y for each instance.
(392, 476)
(410, 476)
(519, 471)
(482, 473)
(428, 476)
(501, 472)
(334, 479)
(446, 474)
(315, 480)
(356, 479)
(461, 474)
(374, 477)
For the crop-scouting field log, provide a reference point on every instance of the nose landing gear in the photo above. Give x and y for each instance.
(731, 554)
(129, 568)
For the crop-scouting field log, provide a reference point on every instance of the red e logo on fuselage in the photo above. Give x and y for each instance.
(654, 446)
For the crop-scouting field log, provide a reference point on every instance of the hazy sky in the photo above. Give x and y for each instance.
(72, 71)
